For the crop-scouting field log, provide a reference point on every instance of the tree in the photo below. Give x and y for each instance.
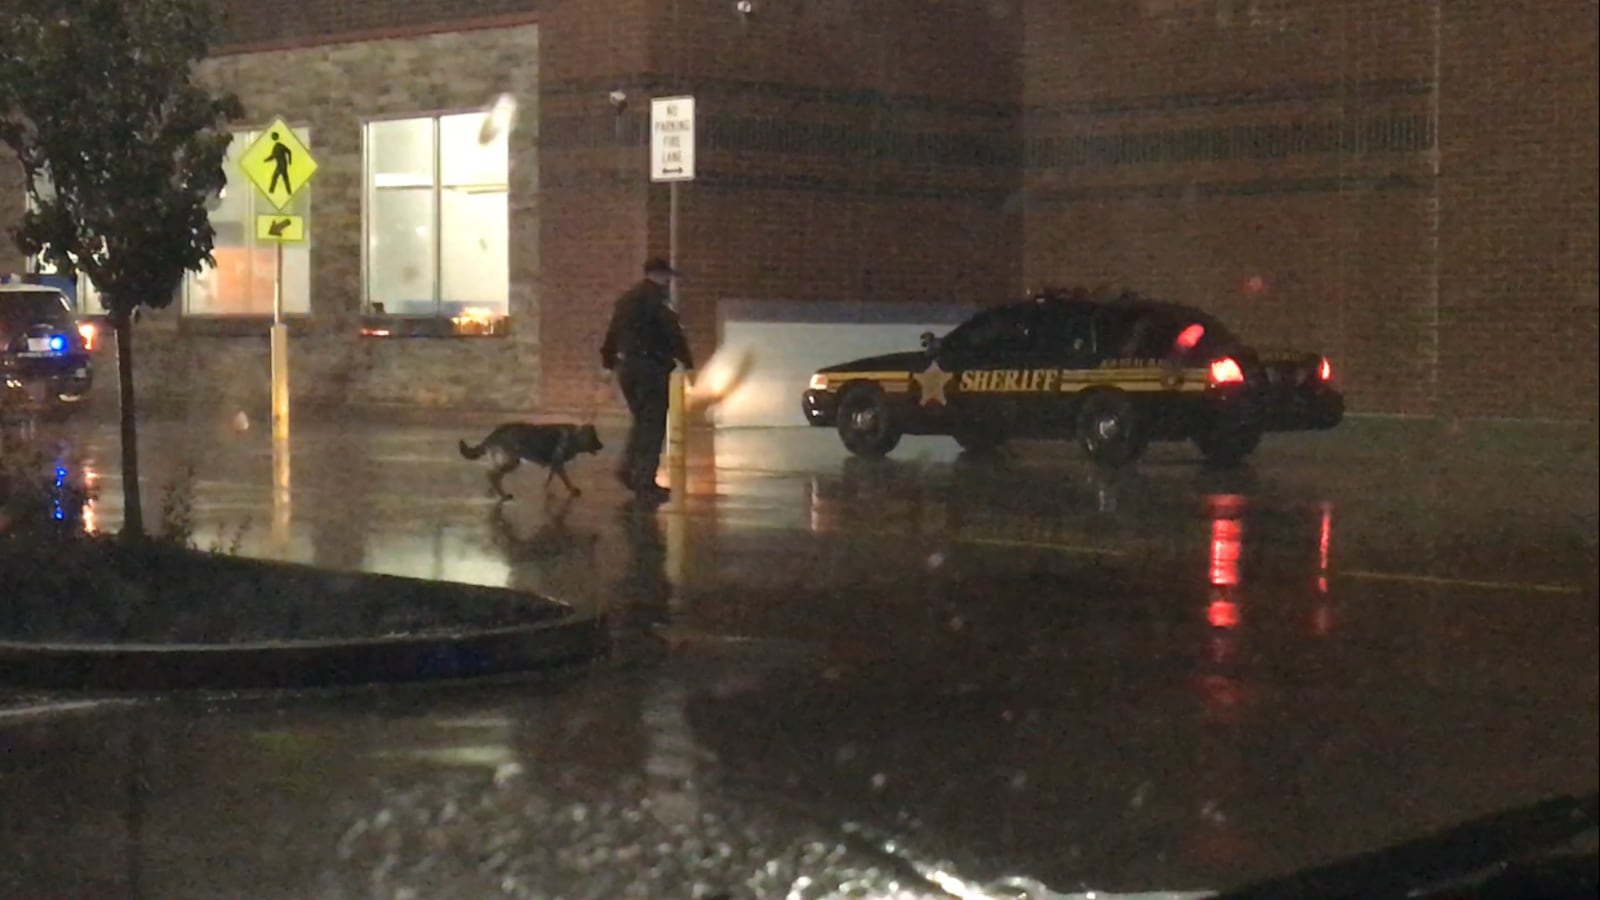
(122, 149)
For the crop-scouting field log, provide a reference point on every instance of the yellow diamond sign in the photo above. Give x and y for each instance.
(278, 163)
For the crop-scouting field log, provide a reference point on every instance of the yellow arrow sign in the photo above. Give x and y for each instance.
(278, 163)
(284, 229)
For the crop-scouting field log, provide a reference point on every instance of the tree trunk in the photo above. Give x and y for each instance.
(132, 509)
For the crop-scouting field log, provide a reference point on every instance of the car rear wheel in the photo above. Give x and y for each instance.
(866, 425)
(1109, 429)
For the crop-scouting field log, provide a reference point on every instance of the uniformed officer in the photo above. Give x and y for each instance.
(643, 343)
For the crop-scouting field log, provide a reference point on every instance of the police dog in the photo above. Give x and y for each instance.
(551, 446)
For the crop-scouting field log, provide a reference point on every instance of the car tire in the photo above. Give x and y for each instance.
(865, 423)
(1109, 428)
(1226, 446)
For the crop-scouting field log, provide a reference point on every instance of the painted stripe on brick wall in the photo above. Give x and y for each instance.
(774, 134)
(1264, 187)
(731, 88)
(1256, 140)
(1279, 95)
(602, 175)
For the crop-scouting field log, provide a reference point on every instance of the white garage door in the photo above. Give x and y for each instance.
(770, 348)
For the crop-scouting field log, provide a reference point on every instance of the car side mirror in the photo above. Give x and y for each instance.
(930, 343)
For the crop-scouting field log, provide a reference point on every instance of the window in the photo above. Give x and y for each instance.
(241, 282)
(436, 222)
(80, 291)
(1007, 329)
(1066, 328)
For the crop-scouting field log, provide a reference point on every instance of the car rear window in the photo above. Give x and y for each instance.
(1154, 331)
(21, 309)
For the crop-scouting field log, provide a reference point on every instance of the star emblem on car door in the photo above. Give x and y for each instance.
(932, 382)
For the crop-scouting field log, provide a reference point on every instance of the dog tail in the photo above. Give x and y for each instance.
(472, 452)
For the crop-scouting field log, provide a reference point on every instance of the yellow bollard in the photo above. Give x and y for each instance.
(280, 381)
(677, 417)
(280, 495)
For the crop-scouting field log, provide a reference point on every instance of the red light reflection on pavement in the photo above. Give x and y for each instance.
(1225, 542)
(1322, 615)
(1222, 613)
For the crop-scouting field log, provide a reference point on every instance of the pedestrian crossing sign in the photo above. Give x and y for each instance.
(278, 163)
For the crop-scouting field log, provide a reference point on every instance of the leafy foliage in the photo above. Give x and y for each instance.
(121, 147)
(122, 151)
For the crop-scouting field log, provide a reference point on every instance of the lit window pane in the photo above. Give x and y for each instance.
(460, 272)
(473, 257)
(85, 298)
(401, 153)
(401, 271)
(463, 161)
(400, 251)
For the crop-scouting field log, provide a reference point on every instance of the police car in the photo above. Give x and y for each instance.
(45, 351)
(1114, 373)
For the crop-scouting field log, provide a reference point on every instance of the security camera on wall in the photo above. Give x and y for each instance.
(744, 8)
(619, 100)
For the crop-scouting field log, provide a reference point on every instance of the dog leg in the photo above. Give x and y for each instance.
(495, 484)
(572, 489)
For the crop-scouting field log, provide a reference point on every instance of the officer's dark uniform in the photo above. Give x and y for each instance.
(642, 344)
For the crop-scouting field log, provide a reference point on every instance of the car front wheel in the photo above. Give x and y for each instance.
(865, 423)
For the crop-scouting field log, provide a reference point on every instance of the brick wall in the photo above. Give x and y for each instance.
(253, 26)
(330, 90)
(1269, 159)
(1272, 161)
(594, 224)
(1518, 279)
(845, 151)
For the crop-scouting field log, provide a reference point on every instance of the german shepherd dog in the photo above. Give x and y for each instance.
(551, 446)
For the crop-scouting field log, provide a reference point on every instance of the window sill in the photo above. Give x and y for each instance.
(392, 327)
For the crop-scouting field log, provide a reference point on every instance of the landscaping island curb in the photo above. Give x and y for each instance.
(188, 620)
(303, 664)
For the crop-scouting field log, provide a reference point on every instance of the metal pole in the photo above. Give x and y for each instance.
(677, 411)
(1435, 216)
(280, 355)
(277, 283)
(672, 238)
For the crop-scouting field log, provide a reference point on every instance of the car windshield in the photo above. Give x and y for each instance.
(994, 329)
(22, 309)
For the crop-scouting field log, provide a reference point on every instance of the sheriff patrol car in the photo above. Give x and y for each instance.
(1113, 373)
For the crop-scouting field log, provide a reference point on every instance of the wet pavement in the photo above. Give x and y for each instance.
(915, 678)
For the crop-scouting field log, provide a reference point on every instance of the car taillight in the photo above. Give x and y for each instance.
(1325, 370)
(87, 331)
(1226, 371)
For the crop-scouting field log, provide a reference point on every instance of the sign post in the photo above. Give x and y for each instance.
(672, 148)
(279, 165)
